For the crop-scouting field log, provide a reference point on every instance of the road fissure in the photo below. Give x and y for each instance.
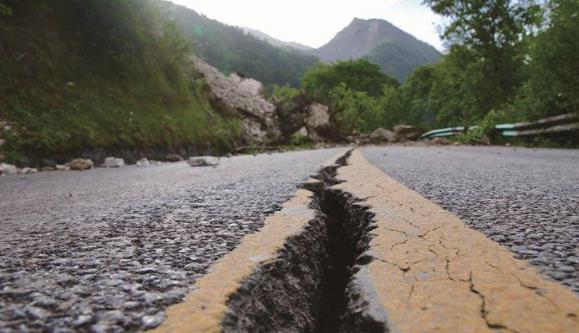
(311, 286)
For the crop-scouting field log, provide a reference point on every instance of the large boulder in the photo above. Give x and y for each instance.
(407, 132)
(382, 135)
(241, 95)
(80, 164)
(317, 121)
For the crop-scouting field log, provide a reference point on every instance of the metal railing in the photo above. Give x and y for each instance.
(561, 123)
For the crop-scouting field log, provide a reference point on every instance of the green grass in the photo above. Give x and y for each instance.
(67, 87)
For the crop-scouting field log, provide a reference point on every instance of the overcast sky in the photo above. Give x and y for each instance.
(315, 22)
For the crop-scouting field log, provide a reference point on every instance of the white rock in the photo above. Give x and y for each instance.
(62, 167)
(202, 161)
(8, 169)
(113, 162)
(81, 164)
(143, 162)
(28, 171)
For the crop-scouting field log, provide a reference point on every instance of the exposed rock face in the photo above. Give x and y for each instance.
(382, 135)
(81, 164)
(248, 84)
(241, 95)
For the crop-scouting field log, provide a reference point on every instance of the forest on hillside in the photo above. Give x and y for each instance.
(230, 49)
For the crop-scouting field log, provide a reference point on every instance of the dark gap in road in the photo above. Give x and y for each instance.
(316, 284)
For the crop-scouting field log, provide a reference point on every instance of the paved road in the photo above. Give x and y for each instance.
(525, 199)
(108, 250)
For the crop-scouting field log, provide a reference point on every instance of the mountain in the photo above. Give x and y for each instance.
(397, 52)
(231, 49)
(276, 42)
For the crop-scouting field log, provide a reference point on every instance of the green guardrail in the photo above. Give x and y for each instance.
(561, 123)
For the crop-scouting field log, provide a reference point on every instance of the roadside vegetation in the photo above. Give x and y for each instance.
(86, 74)
(506, 61)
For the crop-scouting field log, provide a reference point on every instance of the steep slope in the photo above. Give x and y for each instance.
(230, 49)
(397, 52)
(276, 42)
(79, 76)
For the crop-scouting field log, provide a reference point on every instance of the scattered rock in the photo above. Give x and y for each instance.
(8, 169)
(203, 161)
(407, 132)
(440, 142)
(113, 162)
(62, 167)
(143, 162)
(28, 171)
(382, 135)
(80, 164)
(174, 158)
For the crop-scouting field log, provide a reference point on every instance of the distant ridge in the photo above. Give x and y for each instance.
(231, 49)
(276, 42)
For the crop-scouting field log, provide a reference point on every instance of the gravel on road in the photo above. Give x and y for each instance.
(108, 250)
(525, 199)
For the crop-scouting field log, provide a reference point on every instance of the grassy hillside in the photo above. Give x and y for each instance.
(230, 49)
(87, 74)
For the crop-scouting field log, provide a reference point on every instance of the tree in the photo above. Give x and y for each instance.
(553, 85)
(357, 75)
(493, 33)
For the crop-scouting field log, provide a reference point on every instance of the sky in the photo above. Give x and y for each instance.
(316, 22)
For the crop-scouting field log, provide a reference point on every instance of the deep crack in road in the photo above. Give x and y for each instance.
(109, 250)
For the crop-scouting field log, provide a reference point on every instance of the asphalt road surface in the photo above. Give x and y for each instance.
(107, 250)
(525, 199)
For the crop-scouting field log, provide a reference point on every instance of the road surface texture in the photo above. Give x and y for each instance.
(525, 199)
(109, 249)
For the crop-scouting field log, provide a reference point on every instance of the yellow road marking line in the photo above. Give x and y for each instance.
(432, 273)
(204, 308)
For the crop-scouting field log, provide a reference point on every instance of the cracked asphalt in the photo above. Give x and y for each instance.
(108, 250)
(525, 199)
